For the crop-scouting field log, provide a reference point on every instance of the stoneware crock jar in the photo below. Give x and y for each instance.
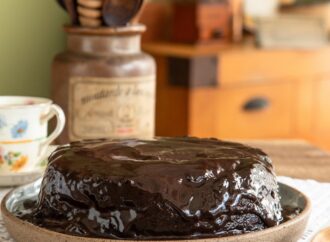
(105, 84)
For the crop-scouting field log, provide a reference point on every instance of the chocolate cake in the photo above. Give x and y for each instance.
(166, 188)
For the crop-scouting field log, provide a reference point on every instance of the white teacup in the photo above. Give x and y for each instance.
(23, 132)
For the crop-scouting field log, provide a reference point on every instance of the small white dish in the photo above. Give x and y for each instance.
(22, 178)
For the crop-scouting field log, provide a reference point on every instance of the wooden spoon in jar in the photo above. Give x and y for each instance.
(61, 3)
(71, 7)
(120, 12)
(323, 236)
(90, 13)
(91, 4)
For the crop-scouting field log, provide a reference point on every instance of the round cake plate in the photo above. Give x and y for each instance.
(22, 178)
(22, 231)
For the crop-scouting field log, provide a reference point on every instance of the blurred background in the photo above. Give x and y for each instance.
(231, 69)
(31, 34)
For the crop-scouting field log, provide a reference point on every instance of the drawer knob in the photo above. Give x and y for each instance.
(256, 104)
(217, 34)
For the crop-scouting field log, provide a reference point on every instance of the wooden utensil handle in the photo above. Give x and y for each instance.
(71, 7)
(89, 12)
(95, 4)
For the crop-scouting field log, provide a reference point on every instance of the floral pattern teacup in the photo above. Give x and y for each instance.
(23, 132)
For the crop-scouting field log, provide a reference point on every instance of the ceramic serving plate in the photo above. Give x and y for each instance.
(21, 178)
(22, 231)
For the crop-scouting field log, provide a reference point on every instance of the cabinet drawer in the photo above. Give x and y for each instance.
(261, 111)
(259, 66)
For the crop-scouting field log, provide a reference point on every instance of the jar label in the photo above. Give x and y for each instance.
(111, 107)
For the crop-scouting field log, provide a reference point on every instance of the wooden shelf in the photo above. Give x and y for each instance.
(185, 50)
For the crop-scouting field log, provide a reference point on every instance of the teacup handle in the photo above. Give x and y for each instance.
(55, 110)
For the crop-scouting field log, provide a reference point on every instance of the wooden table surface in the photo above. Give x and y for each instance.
(297, 159)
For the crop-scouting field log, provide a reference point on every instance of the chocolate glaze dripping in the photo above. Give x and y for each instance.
(167, 188)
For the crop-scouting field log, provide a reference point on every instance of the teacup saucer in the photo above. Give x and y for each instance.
(25, 177)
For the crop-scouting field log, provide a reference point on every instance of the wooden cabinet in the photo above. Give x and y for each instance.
(321, 112)
(172, 104)
(260, 94)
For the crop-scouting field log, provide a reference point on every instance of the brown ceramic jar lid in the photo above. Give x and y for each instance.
(120, 12)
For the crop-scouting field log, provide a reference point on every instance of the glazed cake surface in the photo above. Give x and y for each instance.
(166, 188)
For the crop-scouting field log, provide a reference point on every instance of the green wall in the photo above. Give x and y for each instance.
(30, 35)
